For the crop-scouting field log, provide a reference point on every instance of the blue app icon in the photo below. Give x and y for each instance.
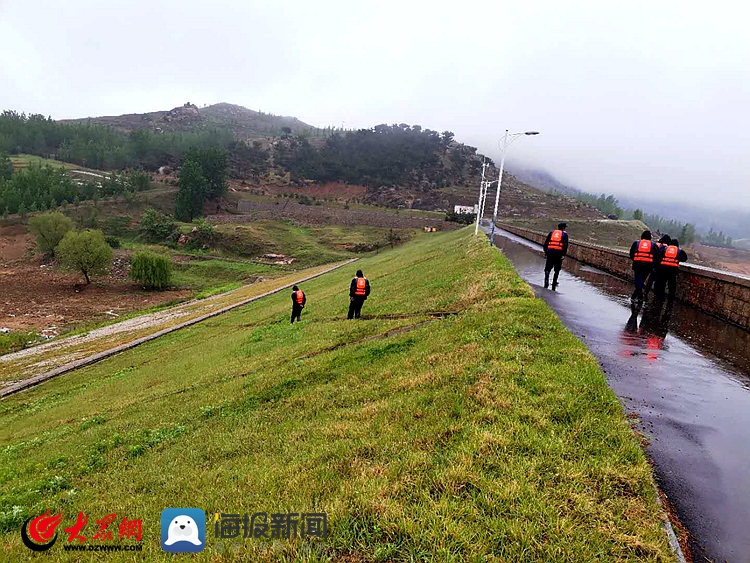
(183, 530)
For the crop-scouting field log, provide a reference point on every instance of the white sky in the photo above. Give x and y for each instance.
(649, 99)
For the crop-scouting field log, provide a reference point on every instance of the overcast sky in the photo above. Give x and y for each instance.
(649, 98)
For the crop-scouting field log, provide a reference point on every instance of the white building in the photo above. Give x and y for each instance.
(465, 209)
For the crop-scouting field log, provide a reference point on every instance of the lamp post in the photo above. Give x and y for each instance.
(508, 138)
(482, 193)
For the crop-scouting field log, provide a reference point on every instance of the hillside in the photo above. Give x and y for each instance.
(244, 123)
(449, 437)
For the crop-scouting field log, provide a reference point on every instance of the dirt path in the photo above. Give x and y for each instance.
(25, 368)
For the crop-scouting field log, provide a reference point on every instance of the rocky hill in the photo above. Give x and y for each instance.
(244, 123)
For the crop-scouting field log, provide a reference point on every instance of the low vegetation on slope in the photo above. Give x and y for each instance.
(489, 435)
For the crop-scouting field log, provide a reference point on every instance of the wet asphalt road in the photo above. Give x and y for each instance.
(685, 374)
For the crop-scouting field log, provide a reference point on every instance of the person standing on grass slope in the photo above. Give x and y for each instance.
(298, 303)
(359, 290)
(643, 253)
(669, 266)
(555, 249)
(662, 245)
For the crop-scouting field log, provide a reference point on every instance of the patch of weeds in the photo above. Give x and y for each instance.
(89, 422)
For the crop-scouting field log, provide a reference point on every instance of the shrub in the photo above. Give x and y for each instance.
(112, 241)
(157, 227)
(49, 229)
(86, 252)
(152, 271)
(461, 218)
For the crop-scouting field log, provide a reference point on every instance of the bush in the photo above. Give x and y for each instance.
(86, 252)
(461, 218)
(152, 271)
(49, 229)
(157, 227)
(112, 241)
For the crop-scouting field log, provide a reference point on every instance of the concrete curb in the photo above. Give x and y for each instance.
(674, 543)
(42, 377)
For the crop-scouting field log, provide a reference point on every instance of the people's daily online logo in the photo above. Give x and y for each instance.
(183, 530)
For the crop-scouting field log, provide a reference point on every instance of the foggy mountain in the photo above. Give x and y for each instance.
(735, 223)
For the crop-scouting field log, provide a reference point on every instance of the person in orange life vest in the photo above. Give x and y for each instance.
(555, 249)
(643, 253)
(298, 303)
(669, 266)
(662, 244)
(359, 290)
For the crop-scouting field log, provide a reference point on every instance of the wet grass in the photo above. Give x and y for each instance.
(489, 435)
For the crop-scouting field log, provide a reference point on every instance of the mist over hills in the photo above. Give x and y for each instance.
(735, 223)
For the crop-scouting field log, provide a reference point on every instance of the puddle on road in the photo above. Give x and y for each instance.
(686, 375)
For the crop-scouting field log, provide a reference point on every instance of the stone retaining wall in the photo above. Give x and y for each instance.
(722, 294)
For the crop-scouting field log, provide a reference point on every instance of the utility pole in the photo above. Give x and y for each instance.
(482, 192)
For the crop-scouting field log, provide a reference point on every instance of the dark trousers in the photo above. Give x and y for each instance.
(355, 307)
(296, 312)
(554, 261)
(640, 274)
(652, 277)
(666, 276)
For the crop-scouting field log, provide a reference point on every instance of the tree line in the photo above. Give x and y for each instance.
(685, 232)
(385, 155)
(41, 187)
(388, 155)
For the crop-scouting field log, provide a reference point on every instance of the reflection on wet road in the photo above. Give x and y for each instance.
(686, 375)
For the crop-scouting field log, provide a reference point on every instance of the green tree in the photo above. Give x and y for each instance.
(6, 167)
(157, 227)
(86, 252)
(192, 193)
(638, 215)
(152, 271)
(687, 235)
(49, 229)
(213, 166)
(22, 210)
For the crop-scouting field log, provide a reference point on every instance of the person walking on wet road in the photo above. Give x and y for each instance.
(298, 303)
(359, 290)
(643, 253)
(668, 268)
(662, 245)
(555, 249)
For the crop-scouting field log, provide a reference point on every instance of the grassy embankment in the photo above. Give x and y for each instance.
(605, 232)
(488, 435)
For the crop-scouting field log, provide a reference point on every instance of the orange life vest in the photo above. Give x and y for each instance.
(644, 254)
(555, 241)
(361, 289)
(299, 296)
(671, 255)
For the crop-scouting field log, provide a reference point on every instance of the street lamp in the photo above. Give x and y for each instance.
(507, 139)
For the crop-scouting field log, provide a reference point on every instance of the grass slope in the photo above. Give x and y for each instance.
(485, 436)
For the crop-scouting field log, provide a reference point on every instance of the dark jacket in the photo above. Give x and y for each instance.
(564, 242)
(681, 257)
(353, 288)
(644, 265)
(294, 299)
